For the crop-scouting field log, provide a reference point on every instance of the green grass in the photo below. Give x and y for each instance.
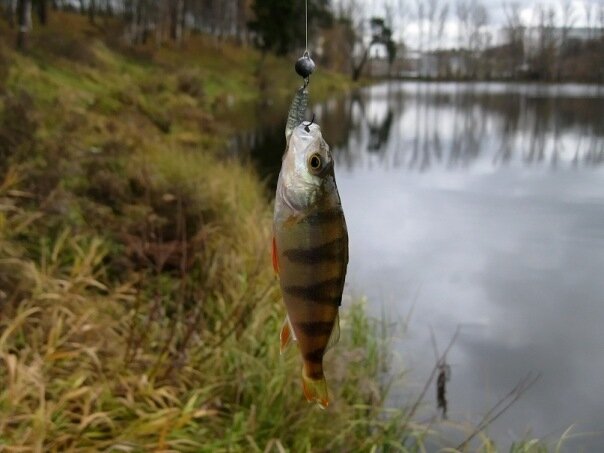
(138, 307)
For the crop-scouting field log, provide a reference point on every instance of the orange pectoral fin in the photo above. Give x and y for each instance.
(285, 336)
(275, 257)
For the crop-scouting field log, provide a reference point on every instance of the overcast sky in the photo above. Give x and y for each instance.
(495, 9)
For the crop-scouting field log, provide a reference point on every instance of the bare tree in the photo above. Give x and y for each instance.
(514, 32)
(473, 18)
(42, 11)
(588, 10)
(24, 19)
(600, 13)
(175, 22)
(433, 6)
(10, 12)
(400, 25)
(601, 18)
(243, 12)
(462, 11)
(567, 10)
(389, 20)
(545, 57)
(420, 15)
(352, 13)
(442, 19)
(402, 15)
(91, 10)
(568, 19)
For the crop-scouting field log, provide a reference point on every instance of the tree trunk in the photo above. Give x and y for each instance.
(24, 18)
(43, 11)
(91, 11)
(174, 22)
(240, 21)
(183, 18)
(145, 27)
(358, 70)
(10, 12)
(137, 23)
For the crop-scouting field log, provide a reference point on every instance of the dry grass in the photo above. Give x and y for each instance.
(169, 361)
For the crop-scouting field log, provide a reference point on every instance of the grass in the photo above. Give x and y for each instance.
(138, 307)
(159, 362)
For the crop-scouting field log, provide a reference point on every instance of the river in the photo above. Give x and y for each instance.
(478, 207)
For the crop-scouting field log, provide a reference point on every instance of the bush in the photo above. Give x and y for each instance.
(4, 67)
(18, 126)
(190, 82)
(70, 47)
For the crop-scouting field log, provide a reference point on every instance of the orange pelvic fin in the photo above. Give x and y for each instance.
(286, 335)
(275, 256)
(315, 390)
(335, 334)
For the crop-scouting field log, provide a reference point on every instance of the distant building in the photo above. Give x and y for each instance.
(417, 64)
(499, 61)
(533, 35)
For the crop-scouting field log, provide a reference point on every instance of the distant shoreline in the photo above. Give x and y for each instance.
(494, 80)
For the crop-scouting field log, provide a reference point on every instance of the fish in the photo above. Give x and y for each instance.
(309, 247)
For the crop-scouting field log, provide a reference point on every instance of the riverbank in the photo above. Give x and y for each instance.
(139, 310)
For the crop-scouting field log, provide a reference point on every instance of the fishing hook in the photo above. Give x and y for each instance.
(307, 126)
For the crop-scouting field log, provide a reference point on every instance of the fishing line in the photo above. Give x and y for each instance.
(306, 10)
(305, 66)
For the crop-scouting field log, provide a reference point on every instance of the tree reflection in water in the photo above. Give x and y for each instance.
(423, 126)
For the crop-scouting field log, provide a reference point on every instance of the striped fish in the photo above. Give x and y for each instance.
(310, 250)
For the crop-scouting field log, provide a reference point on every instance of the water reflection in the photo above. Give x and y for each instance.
(419, 126)
(481, 206)
(465, 125)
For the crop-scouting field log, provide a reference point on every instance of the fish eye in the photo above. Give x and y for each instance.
(315, 162)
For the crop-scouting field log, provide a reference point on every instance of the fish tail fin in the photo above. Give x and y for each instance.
(315, 390)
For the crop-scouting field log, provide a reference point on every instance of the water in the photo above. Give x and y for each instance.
(479, 206)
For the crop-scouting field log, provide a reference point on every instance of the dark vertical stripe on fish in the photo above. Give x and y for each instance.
(315, 329)
(327, 292)
(330, 251)
(324, 217)
(315, 356)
